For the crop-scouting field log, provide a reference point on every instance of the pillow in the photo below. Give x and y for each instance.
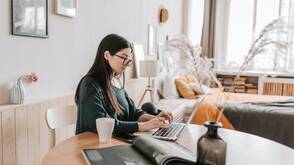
(169, 90)
(201, 88)
(183, 85)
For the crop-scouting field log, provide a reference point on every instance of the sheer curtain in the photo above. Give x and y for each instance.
(288, 9)
(195, 20)
(221, 31)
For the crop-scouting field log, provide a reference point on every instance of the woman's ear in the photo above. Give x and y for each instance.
(107, 55)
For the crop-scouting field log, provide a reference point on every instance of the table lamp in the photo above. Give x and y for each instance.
(148, 68)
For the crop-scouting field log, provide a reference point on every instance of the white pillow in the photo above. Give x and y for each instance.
(201, 89)
(169, 90)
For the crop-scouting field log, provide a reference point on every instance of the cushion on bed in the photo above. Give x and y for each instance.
(169, 90)
(183, 85)
(201, 88)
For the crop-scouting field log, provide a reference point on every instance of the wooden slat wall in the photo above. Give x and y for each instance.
(21, 121)
(46, 134)
(288, 90)
(33, 134)
(24, 135)
(280, 89)
(8, 137)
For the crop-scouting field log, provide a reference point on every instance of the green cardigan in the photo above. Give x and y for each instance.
(93, 103)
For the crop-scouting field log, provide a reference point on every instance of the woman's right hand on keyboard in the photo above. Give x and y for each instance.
(157, 122)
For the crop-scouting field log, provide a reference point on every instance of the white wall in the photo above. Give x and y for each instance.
(71, 47)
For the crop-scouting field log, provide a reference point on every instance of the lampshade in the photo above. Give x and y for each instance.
(149, 68)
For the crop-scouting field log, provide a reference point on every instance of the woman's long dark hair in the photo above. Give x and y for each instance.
(101, 69)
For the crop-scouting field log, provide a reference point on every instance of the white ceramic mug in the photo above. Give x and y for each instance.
(104, 129)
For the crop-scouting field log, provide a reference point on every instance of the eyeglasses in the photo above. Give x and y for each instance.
(126, 61)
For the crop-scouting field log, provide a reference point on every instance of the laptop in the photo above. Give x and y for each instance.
(173, 130)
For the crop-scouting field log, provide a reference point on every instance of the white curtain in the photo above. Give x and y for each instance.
(221, 31)
(290, 7)
(194, 20)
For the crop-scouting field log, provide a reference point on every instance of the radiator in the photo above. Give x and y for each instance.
(277, 86)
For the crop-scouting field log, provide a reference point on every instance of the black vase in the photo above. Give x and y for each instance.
(211, 148)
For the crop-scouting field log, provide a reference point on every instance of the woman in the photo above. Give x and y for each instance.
(97, 97)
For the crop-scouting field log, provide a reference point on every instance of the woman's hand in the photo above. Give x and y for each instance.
(157, 122)
(166, 115)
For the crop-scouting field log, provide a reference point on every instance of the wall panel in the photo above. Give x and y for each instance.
(24, 135)
(22, 146)
(8, 137)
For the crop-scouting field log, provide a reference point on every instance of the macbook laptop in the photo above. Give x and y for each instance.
(173, 130)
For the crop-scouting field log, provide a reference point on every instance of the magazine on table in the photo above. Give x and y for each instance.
(144, 150)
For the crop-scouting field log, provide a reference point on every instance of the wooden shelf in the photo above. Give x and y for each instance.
(258, 84)
(245, 84)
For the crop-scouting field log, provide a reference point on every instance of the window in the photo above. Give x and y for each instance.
(246, 20)
(267, 10)
(239, 31)
(195, 20)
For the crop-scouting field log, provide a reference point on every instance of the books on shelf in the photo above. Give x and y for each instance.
(229, 89)
(249, 85)
(242, 79)
(239, 82)
(241, 85)
(252, 91)
(144, 150)
(240, 90)
(228, 81)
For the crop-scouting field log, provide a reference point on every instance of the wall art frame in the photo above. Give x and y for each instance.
(29, 18)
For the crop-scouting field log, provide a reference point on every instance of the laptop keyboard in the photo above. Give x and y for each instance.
(171, 132)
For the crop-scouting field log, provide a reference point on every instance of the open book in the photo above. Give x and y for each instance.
(145, 150)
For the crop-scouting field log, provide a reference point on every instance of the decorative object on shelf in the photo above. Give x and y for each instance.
(211, 148)
(30, 18)
(163, 15)
(17, 92)
(66, 7)
(148, 68)
(184, 58)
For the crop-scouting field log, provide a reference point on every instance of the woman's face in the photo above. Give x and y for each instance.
(120, 60)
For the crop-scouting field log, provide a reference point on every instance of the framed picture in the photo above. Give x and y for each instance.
(30, 18)
(66, 7)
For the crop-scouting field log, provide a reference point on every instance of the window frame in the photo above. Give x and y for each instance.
(222, 64)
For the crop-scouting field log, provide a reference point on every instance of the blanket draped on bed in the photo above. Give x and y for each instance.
(271, 117)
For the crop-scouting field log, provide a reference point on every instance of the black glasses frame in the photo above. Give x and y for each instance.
(126, 61)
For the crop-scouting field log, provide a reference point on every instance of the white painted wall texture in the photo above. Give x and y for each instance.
(68, 53)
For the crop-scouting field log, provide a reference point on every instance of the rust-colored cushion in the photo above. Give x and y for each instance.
(200, 115)
(183, 85)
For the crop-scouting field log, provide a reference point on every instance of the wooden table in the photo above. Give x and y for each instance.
(242, 148)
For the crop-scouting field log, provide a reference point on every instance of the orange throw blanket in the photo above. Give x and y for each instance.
(213, 111)
(210, 102)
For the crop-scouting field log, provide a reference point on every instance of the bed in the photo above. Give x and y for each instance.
(272, 122)
(267, 116)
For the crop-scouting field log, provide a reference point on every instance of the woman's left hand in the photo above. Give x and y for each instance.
(167, 115)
